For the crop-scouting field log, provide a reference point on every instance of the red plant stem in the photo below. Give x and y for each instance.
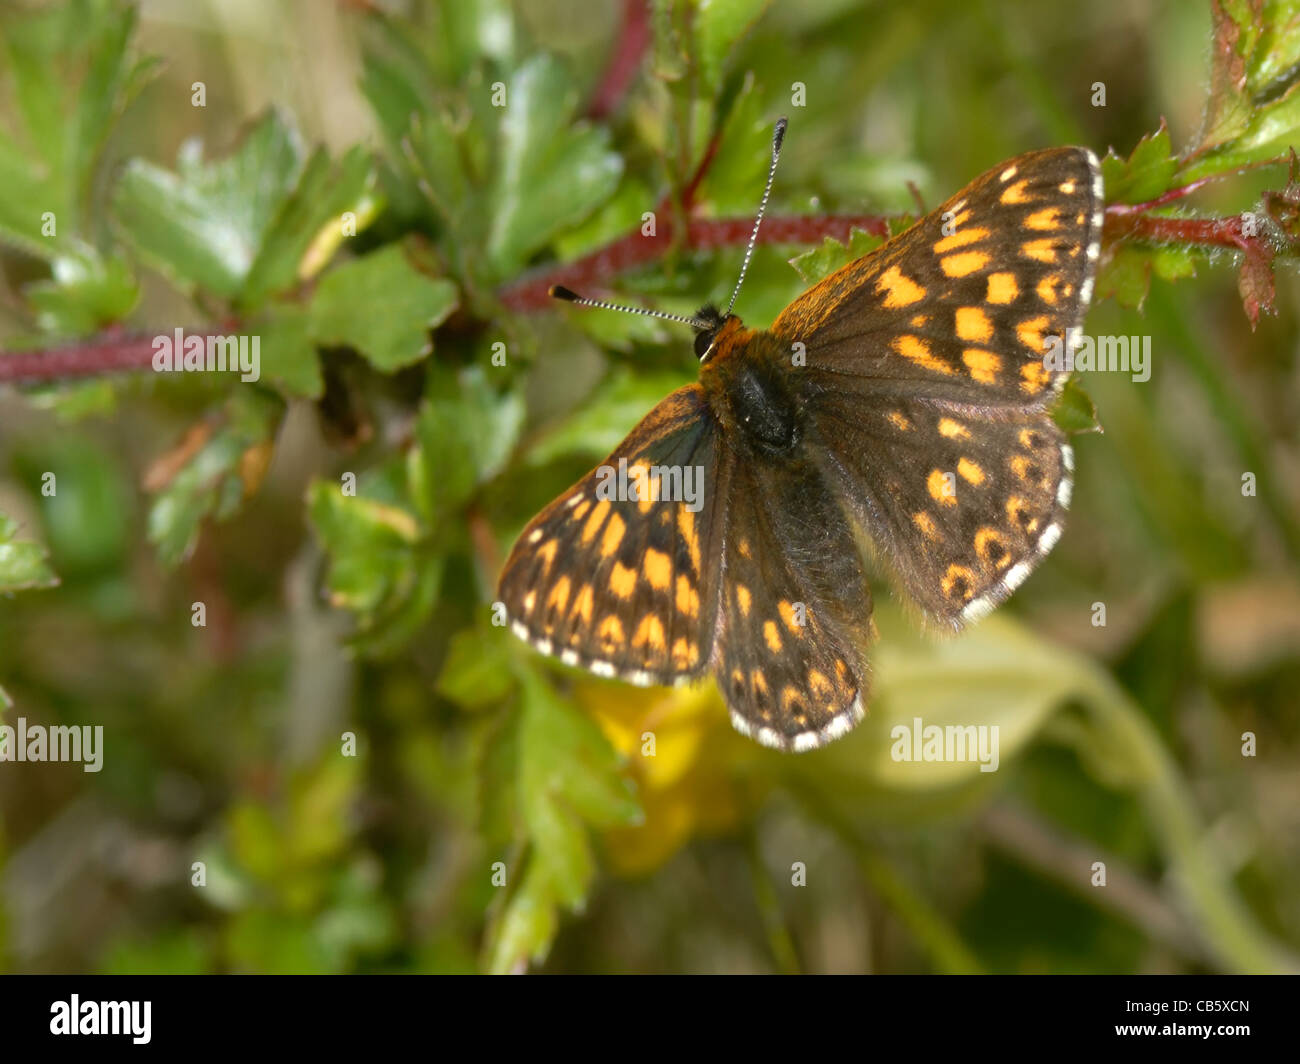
(702, 234)
(1208, 232)
(116, 353)
(633, 38)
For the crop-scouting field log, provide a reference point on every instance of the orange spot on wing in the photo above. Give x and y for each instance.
(613, 536)
(1047, 218)
(650, 632)
(559, 594)
(772, 637)
(1047, 289)
(898, 290)
(1002, 288)
(688, 599)
(963, 263)
(546, 553)
(991, 546)
(611, 633)
(582, 604)
(819, 685)
(983, 365)
(953, 430)
(1034, 377)
(970, 472)
(686, 526)
(1017, 193)
(973, 325)
(959, 583)
(1031, 333)
(622, 581)
(596, 519)
(916, 350)
(937, 484)
(685, 653)
(658, 569)
(959, 239)
(1044, 250)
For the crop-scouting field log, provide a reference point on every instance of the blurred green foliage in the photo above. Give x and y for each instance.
(349, 767)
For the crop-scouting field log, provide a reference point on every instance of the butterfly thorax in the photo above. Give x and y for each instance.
(746, 383)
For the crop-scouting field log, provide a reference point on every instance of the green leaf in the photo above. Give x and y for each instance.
(289, 357)
(608, 415)
(72, 78)
(23, 564)
(1075, 411)
(552, 171)
(369, 543)
(820, 262)
(204, 225)
(86, 293)
(215, 479)
(999, 675)
(568, 779)
(1253, 110)
(379, 568)
(477, 670)
(719, 26)
(1147, 173)
(528, 926)
(466, 431)
(311, 221)
(1126, 276)
(382, 306)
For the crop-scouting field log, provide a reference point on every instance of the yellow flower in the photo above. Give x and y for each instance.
(683, 754)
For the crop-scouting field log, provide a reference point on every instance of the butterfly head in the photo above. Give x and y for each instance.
(709, 323)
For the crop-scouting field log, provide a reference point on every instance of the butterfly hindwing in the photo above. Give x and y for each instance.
(795, 612)
(620, 580)
(963, 507)
(964, 306)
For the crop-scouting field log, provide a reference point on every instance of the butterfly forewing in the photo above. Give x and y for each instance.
(965, 305)
(616, 575)
(929, 367)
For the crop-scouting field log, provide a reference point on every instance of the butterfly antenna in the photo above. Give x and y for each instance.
(558, 291)
(778, 135)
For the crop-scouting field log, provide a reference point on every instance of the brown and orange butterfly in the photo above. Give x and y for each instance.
(905, 396)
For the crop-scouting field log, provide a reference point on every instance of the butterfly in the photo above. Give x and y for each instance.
(899, 407)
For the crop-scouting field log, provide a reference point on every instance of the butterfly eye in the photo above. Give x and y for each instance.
(703, 341)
